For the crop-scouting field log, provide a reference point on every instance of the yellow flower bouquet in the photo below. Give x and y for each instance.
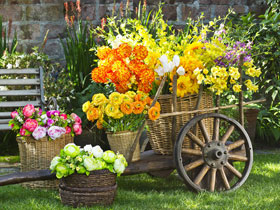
(120, 111)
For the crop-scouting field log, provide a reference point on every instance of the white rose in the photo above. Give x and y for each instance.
(54, 162)
(9, 66)
(181, 70)
(88, 148)
(90, 164)
(119, 167)
(97, 151)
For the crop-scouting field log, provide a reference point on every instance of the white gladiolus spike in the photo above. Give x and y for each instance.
(160, 71)
(176, 60)
(181, 71)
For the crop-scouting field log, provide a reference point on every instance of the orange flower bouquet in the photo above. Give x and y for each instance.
(120, 111)
(124, 66)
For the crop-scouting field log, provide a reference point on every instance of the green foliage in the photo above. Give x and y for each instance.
(79, 59)
(9, 159)
(5, 39)
(264, 32)
(17, 60)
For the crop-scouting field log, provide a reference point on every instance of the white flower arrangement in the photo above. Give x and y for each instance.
(84, 160)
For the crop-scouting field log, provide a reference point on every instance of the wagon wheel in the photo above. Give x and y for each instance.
(219, 158)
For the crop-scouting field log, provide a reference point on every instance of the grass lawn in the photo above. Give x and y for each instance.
(261, 191)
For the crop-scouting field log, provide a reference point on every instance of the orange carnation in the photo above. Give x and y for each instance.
(98, 75)
(121, 71)
(124, 51)
(122, 87)
(103, 52)
(154, 113)
(127, 107)
(138, 107)
(137, 67)
(140, 52)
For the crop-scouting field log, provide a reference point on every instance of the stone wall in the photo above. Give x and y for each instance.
(32, 18)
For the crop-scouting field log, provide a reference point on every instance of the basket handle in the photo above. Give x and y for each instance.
(141, 128)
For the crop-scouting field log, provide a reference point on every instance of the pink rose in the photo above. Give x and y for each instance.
(14, 114)
(28, 110)
(63, 116)
(23, 132)
(76, 118)
(77, 128)
(68, 130)
(55, 132)
(39, 132)
(30, 124)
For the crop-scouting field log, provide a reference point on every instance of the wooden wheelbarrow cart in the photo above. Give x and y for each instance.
(219, 160)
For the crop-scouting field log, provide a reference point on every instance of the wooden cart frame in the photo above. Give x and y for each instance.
(214, 163)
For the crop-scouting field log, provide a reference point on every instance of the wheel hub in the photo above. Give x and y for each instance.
(215, 154)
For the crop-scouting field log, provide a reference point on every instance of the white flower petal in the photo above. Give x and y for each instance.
(159, 71)
(176, 60)
(181, 71)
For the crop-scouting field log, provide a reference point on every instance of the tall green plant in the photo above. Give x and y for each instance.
(79, 58)
(5, 39)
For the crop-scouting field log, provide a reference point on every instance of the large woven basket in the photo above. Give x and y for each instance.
(81, 190)
(38, 154)
(122, 141)
(160, 131)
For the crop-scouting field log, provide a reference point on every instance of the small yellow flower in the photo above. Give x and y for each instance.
(116, 98)
(99, 99)
(86, 106)
(131, 94)
(205, 71)
(236, 88)
(111, 110)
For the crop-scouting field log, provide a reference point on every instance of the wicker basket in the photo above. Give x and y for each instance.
(38, 154)
(160, 130)
(122, 141)
(81, 190)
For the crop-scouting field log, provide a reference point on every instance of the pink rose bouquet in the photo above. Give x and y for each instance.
(33, 121)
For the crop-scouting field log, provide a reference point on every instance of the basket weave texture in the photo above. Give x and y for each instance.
(122, 141)
(38, 154)
(160, 131)
(81, 190)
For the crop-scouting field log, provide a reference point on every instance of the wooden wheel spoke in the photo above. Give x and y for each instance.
(201, 174)
(213, 179)
(194, 164)
(235, 144)
(237, 156)
(196, 139)
(204, 131)
(224, 178)
(216, 129)
(227, 134)
(234, 170)
(192, 152)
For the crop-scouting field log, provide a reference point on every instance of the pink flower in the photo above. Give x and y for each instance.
(50, 122)
(68, 130)
(23, 132)
(77, 128)
(12, 125)
(39, 132)
(76, 118)
(28, 110)
(63, 116)
(55, 132)
(30, 124)
(14, 114)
